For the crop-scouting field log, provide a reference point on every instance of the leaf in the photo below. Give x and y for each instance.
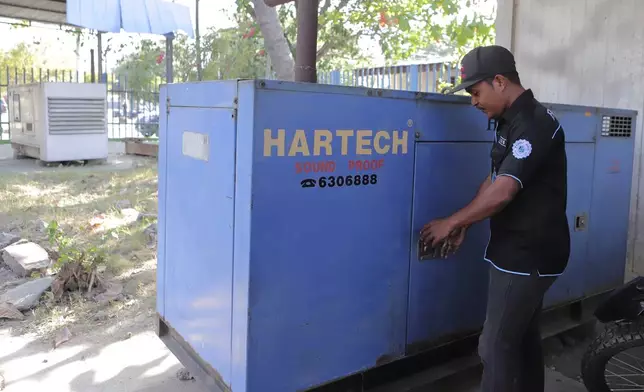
(403, 22)
(402, 27)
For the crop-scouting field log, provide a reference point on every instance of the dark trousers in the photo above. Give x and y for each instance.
(510, 345)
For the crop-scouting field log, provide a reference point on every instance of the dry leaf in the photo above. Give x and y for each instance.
(61, 337)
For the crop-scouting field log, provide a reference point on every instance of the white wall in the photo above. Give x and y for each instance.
(583, 52)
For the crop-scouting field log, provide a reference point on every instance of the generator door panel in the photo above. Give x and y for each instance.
(570, 286)
(447, 296)
(199, 185)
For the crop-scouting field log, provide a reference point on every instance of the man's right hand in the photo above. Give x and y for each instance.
(453, 243)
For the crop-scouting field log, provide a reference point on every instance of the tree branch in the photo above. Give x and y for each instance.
(290, 45)
(275, 40)
(251, 11)
(325, 7)
(324, 50)
(342, 4)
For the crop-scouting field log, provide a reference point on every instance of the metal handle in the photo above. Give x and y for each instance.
(581, 222)
(427, 252)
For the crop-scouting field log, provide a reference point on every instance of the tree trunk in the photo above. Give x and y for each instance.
(275, 41)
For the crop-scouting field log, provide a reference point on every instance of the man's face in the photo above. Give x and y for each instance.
(488, 97)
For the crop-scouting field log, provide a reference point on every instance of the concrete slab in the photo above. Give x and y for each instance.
(113, 147)
(557, 382)
(115, 162)
(91, 364)
(25, 257)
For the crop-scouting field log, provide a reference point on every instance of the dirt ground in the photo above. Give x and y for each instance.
(562, 356)
(113, 346)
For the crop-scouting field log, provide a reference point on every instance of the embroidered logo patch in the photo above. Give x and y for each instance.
(521, 149)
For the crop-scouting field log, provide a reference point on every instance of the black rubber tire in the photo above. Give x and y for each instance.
(617, 337)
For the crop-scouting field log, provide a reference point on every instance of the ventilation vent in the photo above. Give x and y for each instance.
(76, 115)
(617, 126)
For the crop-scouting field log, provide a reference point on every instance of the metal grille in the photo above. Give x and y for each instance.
(617, 126)
(76, 115)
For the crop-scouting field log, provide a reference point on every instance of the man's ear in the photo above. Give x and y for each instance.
(500, 83)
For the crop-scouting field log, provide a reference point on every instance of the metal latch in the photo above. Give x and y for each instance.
(427, 252)
(581, 221)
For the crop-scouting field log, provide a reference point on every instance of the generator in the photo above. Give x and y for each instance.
(54, 122)
(290, 216)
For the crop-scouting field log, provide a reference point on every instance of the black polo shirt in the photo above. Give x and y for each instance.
(531, 234)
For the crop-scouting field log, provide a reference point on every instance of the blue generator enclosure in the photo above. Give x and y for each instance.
(289, 220)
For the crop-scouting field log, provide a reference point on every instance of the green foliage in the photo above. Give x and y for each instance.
(234, 53)
(401, 27)
(69, 251)
(140, 72)
(227, 54)
(14, 61)
(185, 59)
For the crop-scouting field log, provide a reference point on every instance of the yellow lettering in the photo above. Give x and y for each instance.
(344, 135)
(400, 141)
(367, 142)
(376, 142)
(270, 142)
(362, 144)
(299, 144)
(322, 140)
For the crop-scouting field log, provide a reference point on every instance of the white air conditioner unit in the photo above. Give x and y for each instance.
(57, 122)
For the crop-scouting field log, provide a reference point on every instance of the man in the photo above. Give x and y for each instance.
(525, 198)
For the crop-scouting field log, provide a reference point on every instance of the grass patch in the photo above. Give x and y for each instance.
(94, 208)
(82, 202)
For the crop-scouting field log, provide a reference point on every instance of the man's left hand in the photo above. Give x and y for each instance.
(436, 231)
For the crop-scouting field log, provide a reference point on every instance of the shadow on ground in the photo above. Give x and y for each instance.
(103, 361)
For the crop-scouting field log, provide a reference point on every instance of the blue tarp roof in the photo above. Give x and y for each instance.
(133, 16)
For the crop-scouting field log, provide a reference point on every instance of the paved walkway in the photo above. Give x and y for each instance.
(105, 362)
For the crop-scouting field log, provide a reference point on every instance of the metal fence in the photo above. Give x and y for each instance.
(428, 78)
(133, 109)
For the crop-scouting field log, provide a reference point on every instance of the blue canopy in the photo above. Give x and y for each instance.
(133, 16)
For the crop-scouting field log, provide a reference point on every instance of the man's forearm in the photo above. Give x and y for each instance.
(484, 185)
(488, 201)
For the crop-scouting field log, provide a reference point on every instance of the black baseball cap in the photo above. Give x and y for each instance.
(482, 63)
